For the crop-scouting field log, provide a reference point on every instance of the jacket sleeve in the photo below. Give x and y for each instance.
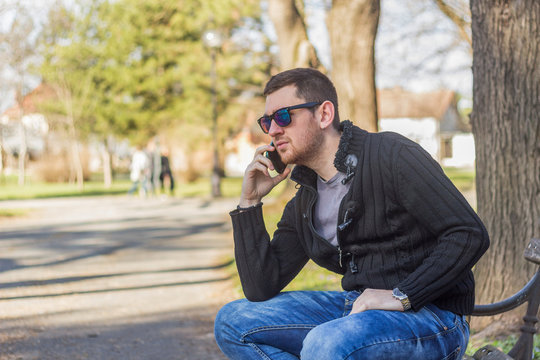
(461, 238)
(265, 267)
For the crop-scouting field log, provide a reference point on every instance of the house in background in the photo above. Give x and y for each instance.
(431, 119)
(24, 128)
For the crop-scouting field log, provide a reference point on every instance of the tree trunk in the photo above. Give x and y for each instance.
(295, 50)
(75, 150)
(506, 73)
(1, 159)
(77, 164)
(22, 153)
(353, 27)
(107, 168)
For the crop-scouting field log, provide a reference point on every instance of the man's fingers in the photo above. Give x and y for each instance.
(280, 177)
(260, 167)
(261, 150)
(358, 308)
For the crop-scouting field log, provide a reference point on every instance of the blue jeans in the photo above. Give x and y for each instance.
(316, 325)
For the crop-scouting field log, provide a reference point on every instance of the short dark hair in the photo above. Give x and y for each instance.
(311, 85)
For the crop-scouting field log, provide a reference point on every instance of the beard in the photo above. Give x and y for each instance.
(305, 150)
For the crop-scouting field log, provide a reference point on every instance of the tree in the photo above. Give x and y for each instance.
(67, 69)
(506, 127)
(353, 28)
(458, 12)
(17, 54)
(295, 49)
(149, 69)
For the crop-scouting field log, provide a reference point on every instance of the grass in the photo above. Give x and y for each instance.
(10, 190)
(8, 213)
(230, 187)
(47, 190)
(505, 345)
(463, 179)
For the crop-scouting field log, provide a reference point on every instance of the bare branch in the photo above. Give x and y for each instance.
(459, 15)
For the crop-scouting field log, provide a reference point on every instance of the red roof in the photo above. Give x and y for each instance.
(399, 103)
(31, 101)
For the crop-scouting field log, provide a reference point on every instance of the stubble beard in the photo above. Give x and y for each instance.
(306, 151)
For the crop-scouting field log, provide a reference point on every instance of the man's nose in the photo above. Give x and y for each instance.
(275, 129)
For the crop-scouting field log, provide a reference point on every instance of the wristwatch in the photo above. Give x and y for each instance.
(396, 293)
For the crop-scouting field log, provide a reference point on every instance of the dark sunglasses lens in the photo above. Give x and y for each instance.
(282, 118)
(265, 122)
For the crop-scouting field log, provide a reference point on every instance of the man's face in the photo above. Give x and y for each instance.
(299, 142)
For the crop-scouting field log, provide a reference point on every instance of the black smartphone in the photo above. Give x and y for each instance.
(279, 166)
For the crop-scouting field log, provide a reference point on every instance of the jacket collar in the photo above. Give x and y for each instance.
(349, 150)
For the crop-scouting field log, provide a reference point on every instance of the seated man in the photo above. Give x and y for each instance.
(374, 207)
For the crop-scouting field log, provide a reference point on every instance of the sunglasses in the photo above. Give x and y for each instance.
(282, 117)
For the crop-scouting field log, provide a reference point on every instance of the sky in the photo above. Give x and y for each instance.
(401, 44)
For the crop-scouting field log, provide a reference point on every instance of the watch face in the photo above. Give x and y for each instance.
(398, 294)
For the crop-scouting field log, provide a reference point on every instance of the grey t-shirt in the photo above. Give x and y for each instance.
(331, 193)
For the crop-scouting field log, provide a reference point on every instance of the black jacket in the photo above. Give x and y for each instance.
(402, 224)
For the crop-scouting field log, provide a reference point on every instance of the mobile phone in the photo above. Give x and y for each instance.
(279, 166)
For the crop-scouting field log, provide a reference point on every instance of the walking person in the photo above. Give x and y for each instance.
(154, 165)
(373, 207)
(166, 173)
(139, 172)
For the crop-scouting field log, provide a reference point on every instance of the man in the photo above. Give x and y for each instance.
(374, 207)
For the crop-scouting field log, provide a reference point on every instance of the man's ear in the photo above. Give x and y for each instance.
(327, 114)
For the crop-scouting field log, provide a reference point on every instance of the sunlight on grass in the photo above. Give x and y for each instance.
(463, 179)
(34, 190)
(504, 344)
(8, 213)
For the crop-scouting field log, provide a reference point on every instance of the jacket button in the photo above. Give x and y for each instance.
(304, 215)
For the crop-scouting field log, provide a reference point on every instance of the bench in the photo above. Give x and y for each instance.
(523, 349)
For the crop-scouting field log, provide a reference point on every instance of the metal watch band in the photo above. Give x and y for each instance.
(397, 294)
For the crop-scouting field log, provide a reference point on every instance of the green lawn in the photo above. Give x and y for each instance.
(34, 190)
(10, 190)
(462, 178)
(7, 213)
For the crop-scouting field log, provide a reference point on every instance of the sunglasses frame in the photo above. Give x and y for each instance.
(286, 110)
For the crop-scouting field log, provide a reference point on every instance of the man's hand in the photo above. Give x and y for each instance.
(257, 181)
(373, 299)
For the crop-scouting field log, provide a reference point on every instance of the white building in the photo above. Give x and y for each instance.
(431, 119)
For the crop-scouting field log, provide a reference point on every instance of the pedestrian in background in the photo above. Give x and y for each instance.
(139, 172)
(166, 173)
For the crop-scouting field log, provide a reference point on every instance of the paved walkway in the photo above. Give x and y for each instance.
(113, 278)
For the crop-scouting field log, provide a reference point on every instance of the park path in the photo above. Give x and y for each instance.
(113, 278)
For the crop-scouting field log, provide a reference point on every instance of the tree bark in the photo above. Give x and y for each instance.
(505, 124)
(107, 167)
(353, 26)
(1, 153)
(75, 150)
(295, 49)
(22, 153)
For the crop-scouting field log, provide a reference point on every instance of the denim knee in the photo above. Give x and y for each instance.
(224, 324)
(319, 344)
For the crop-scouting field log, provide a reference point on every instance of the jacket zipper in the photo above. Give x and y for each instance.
(308, 215)
(309, 220)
